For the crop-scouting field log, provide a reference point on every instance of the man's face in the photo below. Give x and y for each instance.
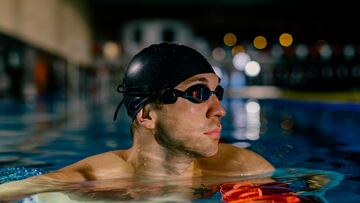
(190, 127)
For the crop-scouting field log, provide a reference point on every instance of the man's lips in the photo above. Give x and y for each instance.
(214, 133)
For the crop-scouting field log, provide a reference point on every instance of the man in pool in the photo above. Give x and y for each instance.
(173, 96)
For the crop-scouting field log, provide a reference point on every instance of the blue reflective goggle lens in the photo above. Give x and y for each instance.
(200, 93)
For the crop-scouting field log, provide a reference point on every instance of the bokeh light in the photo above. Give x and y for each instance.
(237, 49)
(260, 42)
(218, 54)
(325, 51)
(252, 69)
(240, 60)
(301, 51)
(111, 50)
(230, 39)
(285, 39)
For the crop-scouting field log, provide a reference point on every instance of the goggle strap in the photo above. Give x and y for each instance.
(117, 109)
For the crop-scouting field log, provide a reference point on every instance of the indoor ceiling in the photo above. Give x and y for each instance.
(307, 20)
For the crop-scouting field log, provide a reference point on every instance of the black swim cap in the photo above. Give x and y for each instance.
(155, 68)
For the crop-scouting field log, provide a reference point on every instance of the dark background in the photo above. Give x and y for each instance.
(308, 21)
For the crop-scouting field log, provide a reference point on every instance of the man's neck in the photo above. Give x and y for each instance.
(153, 160)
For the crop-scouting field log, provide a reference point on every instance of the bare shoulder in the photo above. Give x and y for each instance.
(96, 161)
(234, 161)
(101, 166)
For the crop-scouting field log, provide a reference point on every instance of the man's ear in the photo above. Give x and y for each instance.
(146, 117)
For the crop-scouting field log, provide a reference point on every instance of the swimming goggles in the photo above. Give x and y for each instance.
(197, 94)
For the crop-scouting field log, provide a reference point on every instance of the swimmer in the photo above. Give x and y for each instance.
(173, 96)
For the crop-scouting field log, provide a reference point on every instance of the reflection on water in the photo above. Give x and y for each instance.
(285, 185)
(50, 135)
(246, 119)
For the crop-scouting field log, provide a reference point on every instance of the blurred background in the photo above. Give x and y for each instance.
(79, 48)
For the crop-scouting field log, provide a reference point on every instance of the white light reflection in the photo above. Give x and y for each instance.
(240, 60)
(239, 119)
(135, 68)
(241, 144)
(252, 120)
(252, 107)
(246, 120)
(252, 69)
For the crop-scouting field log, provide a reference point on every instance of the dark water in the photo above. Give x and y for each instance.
(39, 136)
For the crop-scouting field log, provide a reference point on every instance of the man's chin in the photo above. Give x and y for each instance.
(211, 152)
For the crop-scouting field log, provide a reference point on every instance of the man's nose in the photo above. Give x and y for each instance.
(215, 108)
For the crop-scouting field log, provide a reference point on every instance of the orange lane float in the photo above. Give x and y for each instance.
(246, 192)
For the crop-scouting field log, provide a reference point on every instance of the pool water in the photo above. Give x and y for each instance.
(286, 186)
(298, 137)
